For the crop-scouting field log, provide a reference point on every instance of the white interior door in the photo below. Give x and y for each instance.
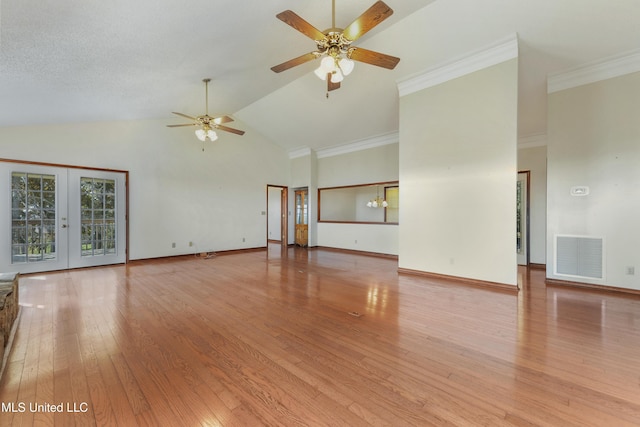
(54, 218)
(522, 226)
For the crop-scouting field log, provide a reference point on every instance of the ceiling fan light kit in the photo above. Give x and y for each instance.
(204, 134)
(334, 45)
(335, 68)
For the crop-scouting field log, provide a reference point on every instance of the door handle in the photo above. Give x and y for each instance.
(64, 225)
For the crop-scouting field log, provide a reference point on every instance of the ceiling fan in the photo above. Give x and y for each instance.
(334, 44)
(206, 122)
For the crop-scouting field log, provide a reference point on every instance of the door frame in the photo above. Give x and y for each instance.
(89, 168)
(284, 208)
(527, 199)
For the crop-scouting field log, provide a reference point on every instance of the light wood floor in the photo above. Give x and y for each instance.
(266, 338)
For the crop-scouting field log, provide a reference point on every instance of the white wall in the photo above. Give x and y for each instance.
(300, 171)
(177, 192)
(378, 238)
(377, 164)
(594, 140)
(458, 170)
(534, 159)
(313, 200)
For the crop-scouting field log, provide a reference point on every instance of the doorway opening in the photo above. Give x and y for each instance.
(522, 217)
(277, 210)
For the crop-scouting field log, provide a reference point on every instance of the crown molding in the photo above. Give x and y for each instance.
(533, 140)
(495, 53)
(361, 144)
(299, 152)
(592, 72)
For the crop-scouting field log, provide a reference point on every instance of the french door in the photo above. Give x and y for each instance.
(55, 218)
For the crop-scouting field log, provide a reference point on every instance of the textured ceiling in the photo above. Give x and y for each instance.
(83, 60)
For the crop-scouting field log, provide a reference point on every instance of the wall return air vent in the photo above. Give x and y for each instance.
(579, 256)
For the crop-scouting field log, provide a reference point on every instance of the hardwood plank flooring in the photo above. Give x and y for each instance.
(315, 337)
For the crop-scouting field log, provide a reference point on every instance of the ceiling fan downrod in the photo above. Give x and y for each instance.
(333, 13)
(206, 96)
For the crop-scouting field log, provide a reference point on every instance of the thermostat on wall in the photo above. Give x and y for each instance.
(579, 190)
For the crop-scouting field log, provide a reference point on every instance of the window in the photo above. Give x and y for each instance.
(98, 205)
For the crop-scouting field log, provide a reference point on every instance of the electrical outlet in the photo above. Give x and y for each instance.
(243, 239)
(631, 271)
(173, 245)
(190, 243)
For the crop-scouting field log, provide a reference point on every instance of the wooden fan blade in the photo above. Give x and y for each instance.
(292, 19)
(175, 126)
(369, 19)
(295, 61)
(228, 129)
(222, 119)
(184, 115)
(331, 85)
(374, 58)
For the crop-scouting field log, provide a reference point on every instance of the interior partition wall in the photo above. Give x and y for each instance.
(458, 171)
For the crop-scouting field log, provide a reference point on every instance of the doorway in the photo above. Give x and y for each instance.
(277, 210)
(522, 217)
(302, 216)
(61, 217)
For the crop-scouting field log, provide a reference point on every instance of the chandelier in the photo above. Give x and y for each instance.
(378, 202)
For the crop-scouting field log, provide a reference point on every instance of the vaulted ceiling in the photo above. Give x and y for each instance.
(81, 61)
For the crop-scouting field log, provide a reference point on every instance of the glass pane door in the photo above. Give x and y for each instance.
(54, 218)
(33, 217)
(302, 218)
(97, 218)
(33, 229)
